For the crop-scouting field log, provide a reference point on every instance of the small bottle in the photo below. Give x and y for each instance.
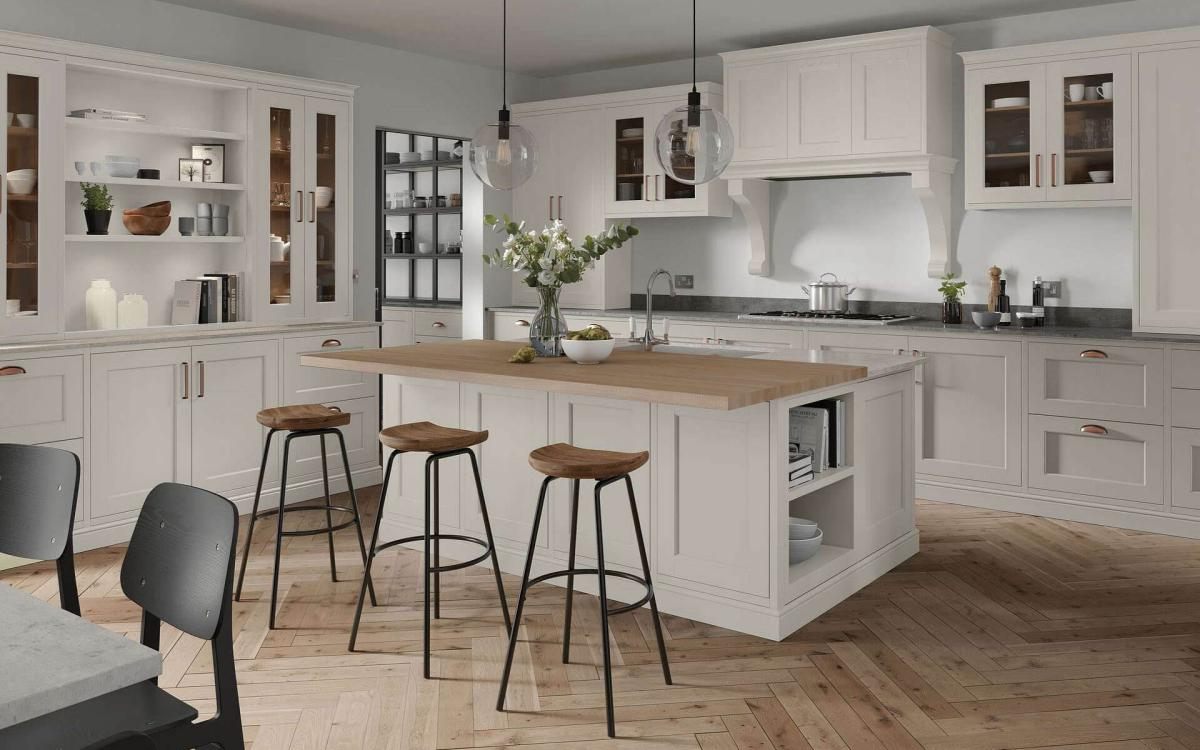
(133, 312)
(100, 303)
(1039, 303)
(1004, 305)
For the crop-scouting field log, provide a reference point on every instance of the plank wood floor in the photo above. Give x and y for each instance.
(1006, 631)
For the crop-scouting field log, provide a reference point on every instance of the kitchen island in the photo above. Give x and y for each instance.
(715, 494)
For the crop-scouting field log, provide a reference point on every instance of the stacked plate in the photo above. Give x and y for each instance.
(804, 539)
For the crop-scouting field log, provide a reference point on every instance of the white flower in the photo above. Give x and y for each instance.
(546, 262)
(546, 278)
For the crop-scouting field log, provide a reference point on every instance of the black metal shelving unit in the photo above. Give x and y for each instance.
(406, 219)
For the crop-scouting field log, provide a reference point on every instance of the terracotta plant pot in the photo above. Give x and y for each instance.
(149, 220)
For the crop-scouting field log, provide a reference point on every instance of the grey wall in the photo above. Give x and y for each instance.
(396, 89)
(870, 231)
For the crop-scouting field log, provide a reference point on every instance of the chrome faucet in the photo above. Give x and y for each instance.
(648, 339)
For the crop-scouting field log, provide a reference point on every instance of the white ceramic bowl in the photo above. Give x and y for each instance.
(22, 173)
(1010, 101)
(26, 121)
(800, 550)
(22, 181)
(802, 528)
(1101, 175)
(985, 319)
(588, 352)
(324, 196)
(122, 166)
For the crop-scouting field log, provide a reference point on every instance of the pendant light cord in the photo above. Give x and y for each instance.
(693, 44)
(504, 55)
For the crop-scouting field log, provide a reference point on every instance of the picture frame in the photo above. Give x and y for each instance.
(191, 170)
(213, 156)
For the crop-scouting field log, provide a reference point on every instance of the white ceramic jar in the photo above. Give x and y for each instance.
(133, 312)
(100, 302)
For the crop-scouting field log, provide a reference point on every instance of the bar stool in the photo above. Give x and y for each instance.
(440, 443)
(562, 461)
(301, 421)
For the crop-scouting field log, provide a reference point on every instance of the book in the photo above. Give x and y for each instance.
(93, 113)
(185, 309)
(794, 474)
(802, 479)
(229, 296)
(808, 427)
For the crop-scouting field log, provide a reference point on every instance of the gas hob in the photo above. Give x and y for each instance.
(806, 316)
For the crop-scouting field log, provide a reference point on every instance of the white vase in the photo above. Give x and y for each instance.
(101, 305)
(133, 312)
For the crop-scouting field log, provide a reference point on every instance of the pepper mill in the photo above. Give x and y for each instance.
(994, 290)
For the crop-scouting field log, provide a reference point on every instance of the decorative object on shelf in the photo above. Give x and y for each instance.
(694, 143)
(94, 113)
(22, 181)
(100, 306)
(26, 121)
(96, 168)
(951, 292)
(323, 196)
(548, 260)
(590, 346)
(122, 166)
(993, 303)
(212, 161)
(523, 356)
(457, 151)
(191, 170)
(986, 320)
(503, 155)
(133, 312)
(148, 174)
(81, 168)
(456, 200)
(97, 207)
(279, 249)
(152, 219)
(187, 226)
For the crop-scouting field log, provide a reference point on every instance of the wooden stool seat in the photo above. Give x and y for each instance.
(571, 462)
(427, 437)
(303, 417)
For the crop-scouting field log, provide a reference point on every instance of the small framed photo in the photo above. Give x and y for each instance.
(213, 155)
(191, 170)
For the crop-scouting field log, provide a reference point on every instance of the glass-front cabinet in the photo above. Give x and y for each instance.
(1049, 133)
(327, 222)
(33, 218)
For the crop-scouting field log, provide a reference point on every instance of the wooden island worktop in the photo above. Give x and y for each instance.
(715, 497)
(708, 382)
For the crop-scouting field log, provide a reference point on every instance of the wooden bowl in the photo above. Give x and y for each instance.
(161, 208)
(138, 224)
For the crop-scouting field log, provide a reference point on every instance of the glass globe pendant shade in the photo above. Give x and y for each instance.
(694, 143)
(503, 156)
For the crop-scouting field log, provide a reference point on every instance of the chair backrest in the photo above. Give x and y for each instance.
(38, 488)
(180, 559)
(126, 741)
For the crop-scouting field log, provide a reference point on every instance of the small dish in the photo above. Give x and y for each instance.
(122, 166)
(323, 196)
(26, 121)
(633, 132)
(22, 181)
(986, 320)
(800, 550)
(802, 528)
(1026, 320)
(1101, 175)
(1010, 101)
(588, 352)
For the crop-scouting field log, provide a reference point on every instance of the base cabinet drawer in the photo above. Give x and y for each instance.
(511, 326)
(446, 324)
(762, 338)
(1115, 460)
(318, 385)
(1102, 382)
(42, 399)
(1185, 469)
(874, 343)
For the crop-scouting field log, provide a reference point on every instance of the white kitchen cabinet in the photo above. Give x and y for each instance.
(1185, 469)
(362, 445)
(884, 460)
(759, 107)
(1124, 383)
(868, 343)
(42, 398)
(969, 409)
(887, 88)
(314, 385)
(32, 246)
(1036, 131)
(764, 339)
(1110, 460)
(408, 400)
(397, 327)
(141, 426)
(819, 115)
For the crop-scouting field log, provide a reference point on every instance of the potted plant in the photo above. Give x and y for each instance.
(549, 259)
(952, 292)
(97, 207)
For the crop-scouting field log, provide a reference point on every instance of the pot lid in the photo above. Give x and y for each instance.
(821, 282)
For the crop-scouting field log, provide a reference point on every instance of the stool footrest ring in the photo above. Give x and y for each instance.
(615, 574)
(487, 549)
(310, 508)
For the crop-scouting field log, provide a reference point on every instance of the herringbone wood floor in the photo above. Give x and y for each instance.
(1006, 631)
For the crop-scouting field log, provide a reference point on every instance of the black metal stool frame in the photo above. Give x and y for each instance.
(433, 566)
(602, 574)
(279, 512)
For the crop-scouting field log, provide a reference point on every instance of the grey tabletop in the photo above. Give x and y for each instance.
(51, 659)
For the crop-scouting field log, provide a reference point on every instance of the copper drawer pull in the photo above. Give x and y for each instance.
(12, 370)
(1053, 170)
(187, 381)
(1093, 429)
(312, 207)
(438, 324)
(521, 323)
(200, 367)
(1093, 354)
(560, 208)
(299, 206)
(330, 342)
(1037, 161)
(550, 204)
(334, 409)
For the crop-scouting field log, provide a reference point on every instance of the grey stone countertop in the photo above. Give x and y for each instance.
(51, 659)
(913, 327)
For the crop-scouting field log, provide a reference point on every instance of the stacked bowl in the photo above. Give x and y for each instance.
(804, 539)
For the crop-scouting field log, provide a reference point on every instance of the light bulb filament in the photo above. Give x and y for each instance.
(504, 152)
(695, 140)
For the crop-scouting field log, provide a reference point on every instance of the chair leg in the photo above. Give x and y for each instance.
(362, 547)
(571, 566)
(637, 531)
(68, 588)
(262, 469)
(487, 531)
(328, 511)
(362, 594)
(287, 444)
(437, 546)
(425, 635)
(516, 624)
(604, 647)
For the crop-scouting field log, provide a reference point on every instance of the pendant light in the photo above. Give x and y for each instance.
(503, 156)
(694, 143)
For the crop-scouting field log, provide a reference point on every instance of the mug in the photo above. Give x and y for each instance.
(81, 168)
(1106, 90)
(187, 226)
(1091, 93)
(1075, 92)
(204, 226)
(220, 226)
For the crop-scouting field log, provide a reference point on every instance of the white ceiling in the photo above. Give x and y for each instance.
(556, 37)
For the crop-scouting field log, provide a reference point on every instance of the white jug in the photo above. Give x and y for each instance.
(133, 312)
(100, 302)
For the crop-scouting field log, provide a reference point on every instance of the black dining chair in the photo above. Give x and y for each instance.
(127, 741)
(179, 569)
(38, 489)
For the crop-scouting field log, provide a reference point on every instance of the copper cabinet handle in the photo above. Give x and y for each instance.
(1053, 170)
(312, 207)
(438, 324)
(200, 373)
(334, 409)
(1037, 162)
(522, 323)
(550, 205)
(327, 343)
(560, 208)
(645, 187)
(187, 381)
(1093, 429)
(1093, 354)
(12, 370)
(299, 206)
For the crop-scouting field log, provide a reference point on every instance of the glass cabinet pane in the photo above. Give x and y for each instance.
(325, 207)
(1088, 105)
(21, 261)
(682, 163)
(1007, 124)
(282, 195)
(631, 158)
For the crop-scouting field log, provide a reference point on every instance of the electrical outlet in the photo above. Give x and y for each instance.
(685, 281)
(1052, 289)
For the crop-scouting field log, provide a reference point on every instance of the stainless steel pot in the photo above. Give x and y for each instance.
(828, 296)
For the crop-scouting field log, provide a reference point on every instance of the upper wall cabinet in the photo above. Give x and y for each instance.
(1049, 133)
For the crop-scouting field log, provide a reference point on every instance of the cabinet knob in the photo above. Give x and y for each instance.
(327, 343)
(334, 408)
(1093, 354)
(438, 324)
(521, 323)
(1093, 429)
(12, 370)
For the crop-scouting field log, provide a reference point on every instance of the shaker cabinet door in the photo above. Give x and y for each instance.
(1005, 124)
(819, 107)
(328, 203)
(278, 156)
(888, 95)
(756, 98)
